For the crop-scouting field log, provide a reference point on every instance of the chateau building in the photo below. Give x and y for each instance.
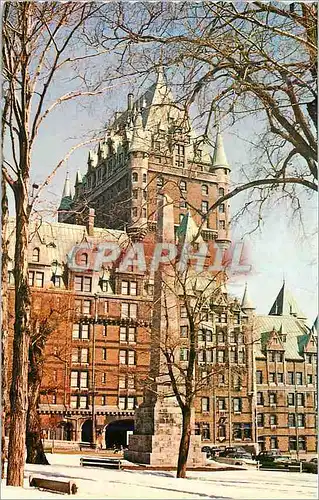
(262, 369)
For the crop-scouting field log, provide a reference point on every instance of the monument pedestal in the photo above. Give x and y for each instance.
(157, 436)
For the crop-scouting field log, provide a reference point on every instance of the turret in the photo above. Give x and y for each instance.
(221, 169)
(138, 162)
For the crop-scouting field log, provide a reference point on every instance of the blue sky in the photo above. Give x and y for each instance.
(280, 248)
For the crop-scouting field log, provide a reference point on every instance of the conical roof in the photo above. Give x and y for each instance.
(78, 178)
(286, 305)
(219, 158)
(246, 303)
(66, 199)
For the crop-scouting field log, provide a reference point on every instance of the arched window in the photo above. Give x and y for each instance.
(36, 255)
(183, 186)
(204, 189)
(144, 178)
(84, 259)
(221, 191)
(134, 176)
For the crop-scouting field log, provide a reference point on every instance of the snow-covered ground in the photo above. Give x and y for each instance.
(224, 485)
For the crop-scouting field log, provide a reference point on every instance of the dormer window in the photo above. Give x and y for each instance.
(36, 255)
(84, 259)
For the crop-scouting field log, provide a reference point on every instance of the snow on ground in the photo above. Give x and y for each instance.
(223, 485)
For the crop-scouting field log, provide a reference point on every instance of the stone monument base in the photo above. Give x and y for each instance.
(157, 436)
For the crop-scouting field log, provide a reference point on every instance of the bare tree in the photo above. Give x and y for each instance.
(256, 60)
(39, 41)
(44, 321)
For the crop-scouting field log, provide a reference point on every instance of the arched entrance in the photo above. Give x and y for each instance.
(116, 433)
(87, 432)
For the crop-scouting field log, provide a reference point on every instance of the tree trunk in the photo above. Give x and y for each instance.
(185, 442)
(19, 383)
(4, 317)
(35, 450)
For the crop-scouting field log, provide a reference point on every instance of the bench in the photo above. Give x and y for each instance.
(53, 485)
(106, 463)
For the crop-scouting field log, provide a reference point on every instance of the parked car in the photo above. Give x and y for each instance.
(268, 456)
(232, 449)
(207, 450)
(311, 466)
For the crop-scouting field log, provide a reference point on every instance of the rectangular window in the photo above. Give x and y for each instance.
(272, 398)
(222, 224)
(122, 382)
(271, 356)
(222, 318)
(291, 399)
(104, 378)
(222, 404)
(241, 357)
(122, 357)
(86, 307)
(260, 398)
(221, 338)
(125, 288)
(84, 355)
(82, 283)
(74, 379)
(184, 331)
(130, 403)
(280, 357)
(291, 378)
(300, 420)
(272, 377)
(205, 404)
(259, 377)
(201, 356)
(83, 401)
(209, 356)
(280, 378)
(232, 356)
(298, 378)
(84, 380)
(237, 431)
(75, 356)
(205, 207)
(129, 310)
(291, 420)
(123, 337)
(183, 312)
(273, 419)
(74, 402)
(221, 208)
(183, 354)
(309, 379)
(260, 420)
(273, 443)
(122, 402)
(237, 404)
(104, 353)
(104, 401)
(221, 356)
(300, 399)
(131, 358)
(292, 443)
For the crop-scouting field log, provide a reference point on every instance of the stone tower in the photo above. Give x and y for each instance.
(158, 420)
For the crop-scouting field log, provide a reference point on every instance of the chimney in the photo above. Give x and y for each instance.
(129, 102)
(90, 221)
